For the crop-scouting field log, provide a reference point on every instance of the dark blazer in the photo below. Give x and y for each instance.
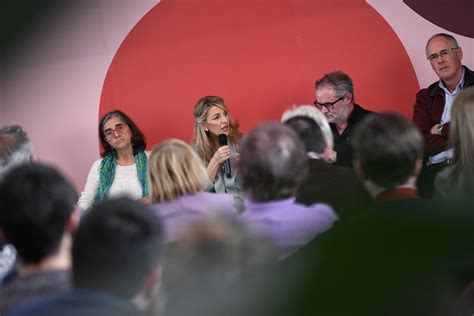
(342, 143)
(393, 260)
(428, 110)
(335, 185)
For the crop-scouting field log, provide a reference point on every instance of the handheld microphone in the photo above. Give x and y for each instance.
(223, 142)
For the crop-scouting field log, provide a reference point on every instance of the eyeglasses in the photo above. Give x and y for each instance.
(328, 105)
(442, 53)
(119, 129)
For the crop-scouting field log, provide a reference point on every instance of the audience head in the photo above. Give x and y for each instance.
(36, 204)
(15, 148)
(312, 127)
(335, 96)
(174, 170)
(273, 162)
(219, 248)
(445, 55)
(388, 150)
(209, 260)
(211, 118)
(461, 136)
(117, 130)
(116, 247)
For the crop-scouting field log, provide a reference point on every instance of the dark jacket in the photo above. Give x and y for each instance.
(342, 143)
(428, 110)
(335, 185)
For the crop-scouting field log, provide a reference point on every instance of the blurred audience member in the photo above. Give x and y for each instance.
(273, 163)
(38, 216)
(123, 167)
(115, 264)
(458, 178)
(15, 149)
(404, 256)
(388, 156)
(209, 260)
(211, 119)
(432, 109)
(336, 99)
(177, 179)
(336, 185)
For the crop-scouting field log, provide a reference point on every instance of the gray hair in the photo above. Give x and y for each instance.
(15, 148)
(449, 37)
(310, 111)
(339, 81)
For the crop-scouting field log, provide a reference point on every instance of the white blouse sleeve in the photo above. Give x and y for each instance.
(87, 198)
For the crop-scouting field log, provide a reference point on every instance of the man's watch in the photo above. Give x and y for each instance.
(439, 129)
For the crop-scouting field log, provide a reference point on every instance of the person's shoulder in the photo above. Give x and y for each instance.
(37, 307)
(319, 209)
(96, 164)
(216, 199)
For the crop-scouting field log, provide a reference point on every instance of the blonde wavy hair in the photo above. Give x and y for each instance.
(174, 170)
(202, 142)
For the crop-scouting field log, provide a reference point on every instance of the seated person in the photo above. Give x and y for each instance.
(15, 149)
(122, 168)
(272, 165)
(212, 119)
(177, 179)
(457, 180)
(209, 260)
(390, 162)
(335, 98)
(115, 264)
(38, 215)
(337, 186)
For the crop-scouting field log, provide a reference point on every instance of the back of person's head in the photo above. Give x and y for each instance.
(461, 137)
(273, 162)
(175, 170)
(215, 254)
(116, 247)
(15, 148)
(388, 149)
(36, 203)
(316, 135)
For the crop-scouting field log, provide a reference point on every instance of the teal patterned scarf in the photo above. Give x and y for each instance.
(107, 174)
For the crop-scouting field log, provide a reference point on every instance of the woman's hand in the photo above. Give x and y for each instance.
(221, 155)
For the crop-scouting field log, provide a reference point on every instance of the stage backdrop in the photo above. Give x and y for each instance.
(154, 60)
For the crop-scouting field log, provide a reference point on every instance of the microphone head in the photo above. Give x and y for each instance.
(222, 139)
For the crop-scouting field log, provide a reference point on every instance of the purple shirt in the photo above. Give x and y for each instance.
(290, 225)
(178, 215)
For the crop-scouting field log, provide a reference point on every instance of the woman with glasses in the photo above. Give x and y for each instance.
(216, 140)
(122, 170)
(177, 180)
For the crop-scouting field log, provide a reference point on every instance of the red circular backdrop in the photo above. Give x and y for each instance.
(261, 56)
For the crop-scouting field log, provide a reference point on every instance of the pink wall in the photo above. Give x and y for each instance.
(100, 54)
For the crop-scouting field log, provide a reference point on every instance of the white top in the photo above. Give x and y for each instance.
(126, 183)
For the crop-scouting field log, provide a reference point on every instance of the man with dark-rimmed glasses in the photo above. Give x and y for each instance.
(432, 110)
(335, 99)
